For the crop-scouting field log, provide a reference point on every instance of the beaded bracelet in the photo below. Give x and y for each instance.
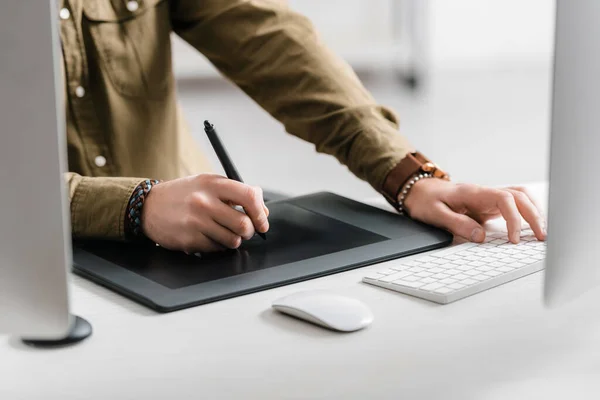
(406, 189)
(133, 222)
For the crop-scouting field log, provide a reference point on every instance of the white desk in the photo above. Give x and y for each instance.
(500, 344)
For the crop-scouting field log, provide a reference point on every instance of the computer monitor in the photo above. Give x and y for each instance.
(574, 200)
(35, 243)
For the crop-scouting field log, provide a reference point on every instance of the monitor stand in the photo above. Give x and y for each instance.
(80, 329)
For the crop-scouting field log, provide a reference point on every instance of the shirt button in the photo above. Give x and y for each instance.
(64, 13)
(80, 91)
(132, 5)
(100, 161)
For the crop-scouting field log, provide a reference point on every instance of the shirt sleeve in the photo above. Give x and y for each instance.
(275, 56)
(98, 205)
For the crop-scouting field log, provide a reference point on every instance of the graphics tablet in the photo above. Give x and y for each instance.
(309, 236)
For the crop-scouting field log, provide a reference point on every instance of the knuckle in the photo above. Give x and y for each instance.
(187, 222)
(245, 227)
(201, 200)
(251, 193)
(504, 196)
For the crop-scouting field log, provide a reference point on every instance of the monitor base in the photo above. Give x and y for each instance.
(80, 330)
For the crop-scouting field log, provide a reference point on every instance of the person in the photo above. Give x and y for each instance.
(134, 171)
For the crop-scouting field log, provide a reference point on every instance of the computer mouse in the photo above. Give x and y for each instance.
(326, 309)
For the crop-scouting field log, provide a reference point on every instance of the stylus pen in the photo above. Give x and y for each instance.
(224, 158)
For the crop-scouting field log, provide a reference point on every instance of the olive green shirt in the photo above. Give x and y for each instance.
(123, 119)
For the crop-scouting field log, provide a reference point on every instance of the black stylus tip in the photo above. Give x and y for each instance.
(207, 125)
(262, 235)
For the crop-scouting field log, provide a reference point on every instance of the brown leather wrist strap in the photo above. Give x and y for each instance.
(410, 165)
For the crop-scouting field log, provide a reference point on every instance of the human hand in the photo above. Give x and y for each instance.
(462, 208)
(196, 214)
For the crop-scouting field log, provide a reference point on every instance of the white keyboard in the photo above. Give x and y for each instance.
(463, 270)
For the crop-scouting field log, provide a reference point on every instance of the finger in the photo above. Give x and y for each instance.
(221, 235)
(250, 198)
(539, 209)
(459, 224)
(505, 202)
(234, 220)
(267, 212)
(530, 213)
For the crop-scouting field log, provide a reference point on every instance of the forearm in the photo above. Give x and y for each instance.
(276, 57)
(98, 205)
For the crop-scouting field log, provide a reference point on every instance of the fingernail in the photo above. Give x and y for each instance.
(477, 235)
(543, 225)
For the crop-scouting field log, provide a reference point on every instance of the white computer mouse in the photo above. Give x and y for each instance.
(326, 309)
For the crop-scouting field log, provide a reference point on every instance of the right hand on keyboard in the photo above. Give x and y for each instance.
(462, 208)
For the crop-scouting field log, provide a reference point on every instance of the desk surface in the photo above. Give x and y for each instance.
(498, 344)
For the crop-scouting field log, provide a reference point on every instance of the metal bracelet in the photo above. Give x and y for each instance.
(407, 187)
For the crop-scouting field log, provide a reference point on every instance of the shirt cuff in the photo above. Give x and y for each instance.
(98, 207)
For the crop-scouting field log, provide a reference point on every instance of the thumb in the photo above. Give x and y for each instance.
(460, 225)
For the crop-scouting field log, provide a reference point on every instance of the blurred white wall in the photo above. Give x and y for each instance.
(457, 34)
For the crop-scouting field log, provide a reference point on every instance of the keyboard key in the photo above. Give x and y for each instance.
(495, 264)
(452, 257)
(529, 260)
(472, 272)
(443, 290)
(472, 258)
(435, 270)
(495, 250)
(400, 268)
(426, 259)
(428, 280)
(484, 268)
(539, 256)
(456, 286)
(498, 241)
(396, 276)
(430, 265)
(413, 263)
(387, 271)
(412, 278)
(464, 268)
(459, 262)
(423, 274)
(409, 284)
(468, 282)
(452, 271)
(416, 269)
(520, 256)
(516, 265)
(497, 235)
(460, 276)
(432, 286)
(455, 249)
(447, 281)
(492, 273)
(440, 276)
(505, 269)
(488, 259)
(439, 261)
(476, 264)
(481, 277)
